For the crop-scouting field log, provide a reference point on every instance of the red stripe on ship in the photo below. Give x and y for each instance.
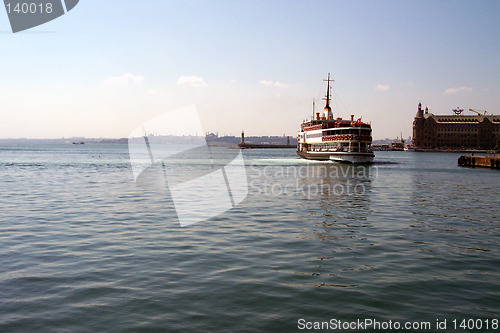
(312, 128)
(346, 137)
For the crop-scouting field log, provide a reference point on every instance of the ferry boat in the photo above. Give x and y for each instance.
(341, 140)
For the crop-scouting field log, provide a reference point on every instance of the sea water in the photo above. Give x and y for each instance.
(412, 238)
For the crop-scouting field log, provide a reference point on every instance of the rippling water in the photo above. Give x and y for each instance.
(83, 248)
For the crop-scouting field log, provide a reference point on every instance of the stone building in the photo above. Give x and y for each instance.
(455, 131)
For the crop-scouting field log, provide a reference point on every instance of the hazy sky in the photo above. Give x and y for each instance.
(106, 67)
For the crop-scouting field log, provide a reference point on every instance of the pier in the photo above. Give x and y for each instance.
(470, 161)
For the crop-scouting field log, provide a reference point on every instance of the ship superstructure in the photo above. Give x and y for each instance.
(327, 138)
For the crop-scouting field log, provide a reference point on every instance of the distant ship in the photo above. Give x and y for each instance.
(382, 147)
(398, 145)
(342, 140)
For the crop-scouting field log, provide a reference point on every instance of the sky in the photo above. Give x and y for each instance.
(106, 67)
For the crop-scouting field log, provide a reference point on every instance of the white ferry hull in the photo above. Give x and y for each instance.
(343, 157)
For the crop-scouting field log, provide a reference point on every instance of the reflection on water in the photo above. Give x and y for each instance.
(337, 198)
(344, 204)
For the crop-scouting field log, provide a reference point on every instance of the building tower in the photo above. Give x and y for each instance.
(418, 127)
(420, 112)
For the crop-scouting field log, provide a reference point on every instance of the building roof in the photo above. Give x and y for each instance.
(459, 119)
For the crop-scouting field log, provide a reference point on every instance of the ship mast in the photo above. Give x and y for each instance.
(314, 108)
(328, 110)
(327, 106)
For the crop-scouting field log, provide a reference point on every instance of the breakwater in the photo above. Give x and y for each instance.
(263, 146)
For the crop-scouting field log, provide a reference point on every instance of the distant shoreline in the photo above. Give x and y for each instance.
(64, 140)
(211, 140)
(225, 141)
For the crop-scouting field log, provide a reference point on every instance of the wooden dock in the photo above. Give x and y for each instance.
(470, 161)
